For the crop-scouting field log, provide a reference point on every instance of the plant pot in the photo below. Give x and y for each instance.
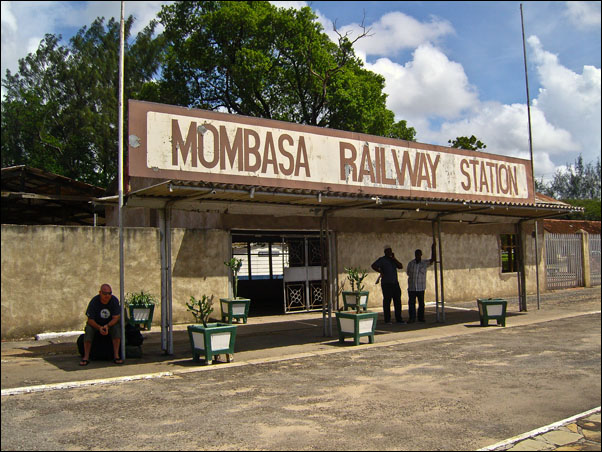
(350, 300)
(356, 325)
(211, 341)
(492, 308)
(141, 315)
(234, 308)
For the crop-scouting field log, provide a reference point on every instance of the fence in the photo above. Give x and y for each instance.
(594, 258)
(564, 260)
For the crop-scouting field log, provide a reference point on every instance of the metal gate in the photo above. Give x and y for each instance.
(302, 280)
(594, 259)
(563, 261)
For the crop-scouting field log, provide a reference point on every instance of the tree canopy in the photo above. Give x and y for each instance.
(60, 110)
(471, 143)
(255, 59)
(577, 181)
(250, 58)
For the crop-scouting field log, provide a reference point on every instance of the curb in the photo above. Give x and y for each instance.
(539, 431)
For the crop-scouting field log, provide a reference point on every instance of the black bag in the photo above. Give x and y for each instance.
(102, 346)
(133, 336)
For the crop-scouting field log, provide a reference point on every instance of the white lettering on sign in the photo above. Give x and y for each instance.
(193, 144)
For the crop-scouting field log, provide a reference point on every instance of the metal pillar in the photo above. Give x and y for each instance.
(440, 249)
(436, 272)
(537, 264)
(166, 294)
(522, 289)
(326, 264)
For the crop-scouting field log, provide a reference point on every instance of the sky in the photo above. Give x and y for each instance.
(451, 68)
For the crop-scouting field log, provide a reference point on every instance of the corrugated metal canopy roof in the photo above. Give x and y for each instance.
(262, 200)
(33, 196)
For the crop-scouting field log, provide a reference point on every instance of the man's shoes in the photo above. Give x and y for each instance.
(411, 321)
(388, 322)
(421, 320)
(401, 322)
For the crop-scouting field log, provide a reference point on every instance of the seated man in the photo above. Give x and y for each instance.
(103, 315)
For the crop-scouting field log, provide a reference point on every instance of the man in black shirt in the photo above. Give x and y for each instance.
(387, 266)
(103, 314)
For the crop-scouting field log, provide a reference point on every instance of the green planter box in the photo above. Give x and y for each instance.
(350, 300)
(492, 309)
(141, 315)
(234, 308)
(356, 325)
(215, 339)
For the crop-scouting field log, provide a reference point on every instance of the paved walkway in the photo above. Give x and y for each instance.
(52, 363)
(581, 432)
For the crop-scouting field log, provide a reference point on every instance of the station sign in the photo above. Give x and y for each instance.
(176, 143)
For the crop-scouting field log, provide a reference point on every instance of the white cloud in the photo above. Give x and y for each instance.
(25, 23)
(570, 100)
(565, 116)
(429, 85)
(396, 31)
(584, 14)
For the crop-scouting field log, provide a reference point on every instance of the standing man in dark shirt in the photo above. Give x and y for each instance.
(103, 315)
(387, 266)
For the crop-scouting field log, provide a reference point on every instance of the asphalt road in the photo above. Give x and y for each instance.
(456, 393)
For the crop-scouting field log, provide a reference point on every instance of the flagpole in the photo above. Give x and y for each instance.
(531, 151)
(120, 178)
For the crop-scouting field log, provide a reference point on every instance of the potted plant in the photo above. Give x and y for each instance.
(356, 298)
(361, 322)
(141, 307)
(209, 339)
(492, 309)
(235, 307)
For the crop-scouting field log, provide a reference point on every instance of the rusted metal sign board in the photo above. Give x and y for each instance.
(177, 143)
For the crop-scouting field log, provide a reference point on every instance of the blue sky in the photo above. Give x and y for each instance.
(451, 68)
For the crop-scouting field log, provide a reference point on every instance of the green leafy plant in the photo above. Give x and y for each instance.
(356, 276)
(201, 309)
(234, 265)
(140, 299)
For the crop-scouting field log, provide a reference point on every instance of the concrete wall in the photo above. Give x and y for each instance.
(50, 273)
(472, 262)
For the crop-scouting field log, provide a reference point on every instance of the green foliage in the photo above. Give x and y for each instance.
(140, 299)
(234, 265)
(578, 181)
(60, 110)
(401, 131)
(471, 144)
(201, 309)
(256, 59)
(356, 276)
(592, 209)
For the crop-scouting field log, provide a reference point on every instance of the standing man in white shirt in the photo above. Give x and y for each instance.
(416, 271)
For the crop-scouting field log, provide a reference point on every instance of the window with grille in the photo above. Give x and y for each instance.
(509, 253)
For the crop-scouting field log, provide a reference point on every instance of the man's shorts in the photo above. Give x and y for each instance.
(90, 332)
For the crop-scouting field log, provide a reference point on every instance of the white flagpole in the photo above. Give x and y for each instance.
(120, 178)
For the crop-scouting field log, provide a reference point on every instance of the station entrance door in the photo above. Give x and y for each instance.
(280, 272)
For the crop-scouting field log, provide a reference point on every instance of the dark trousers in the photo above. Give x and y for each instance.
(391, 291)
(412, 305)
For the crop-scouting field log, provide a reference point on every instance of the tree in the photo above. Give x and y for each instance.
(577, 181)
(255, 59)
(401, 131)
(60, 110)
(592, 209)
(250, 58)
(471, 144)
